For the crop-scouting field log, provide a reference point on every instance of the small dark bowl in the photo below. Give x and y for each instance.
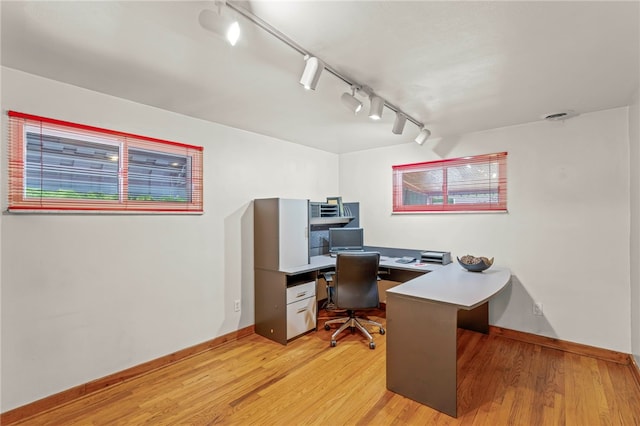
(478, 267)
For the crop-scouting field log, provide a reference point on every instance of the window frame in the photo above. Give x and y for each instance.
(500, 181)
(19, 201)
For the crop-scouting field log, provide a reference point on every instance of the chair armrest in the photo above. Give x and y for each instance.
(328, 276)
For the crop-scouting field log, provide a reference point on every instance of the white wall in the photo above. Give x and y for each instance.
(634, 143)
(2, 191)
(565, 237)
(84, 296)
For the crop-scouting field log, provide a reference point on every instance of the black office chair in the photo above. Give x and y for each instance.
(355, 287)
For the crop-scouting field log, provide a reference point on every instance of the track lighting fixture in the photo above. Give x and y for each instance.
(375, 111)
(220, 24)
(312, 71)
(350, 101)
(314, 67)
(423, 136)
(398, 125)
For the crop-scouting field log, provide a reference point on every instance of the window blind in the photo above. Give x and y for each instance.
(477, 183)
(56, 165)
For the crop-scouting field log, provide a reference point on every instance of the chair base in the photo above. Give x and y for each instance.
(353, 322)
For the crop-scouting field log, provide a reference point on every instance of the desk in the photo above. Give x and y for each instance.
(422, 319)
(423, 315)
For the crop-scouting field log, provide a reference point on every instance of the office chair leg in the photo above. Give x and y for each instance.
(340, 320)
(373, 323)
(364, 331)
(343, 327)
(355, 323)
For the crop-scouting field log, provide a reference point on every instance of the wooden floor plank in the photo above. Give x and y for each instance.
(255, 381)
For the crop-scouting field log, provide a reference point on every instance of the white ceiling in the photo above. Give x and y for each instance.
(456, 66)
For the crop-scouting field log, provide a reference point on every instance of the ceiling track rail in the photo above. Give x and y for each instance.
(295, 46)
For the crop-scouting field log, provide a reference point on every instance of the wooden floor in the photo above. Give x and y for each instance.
(256, 381)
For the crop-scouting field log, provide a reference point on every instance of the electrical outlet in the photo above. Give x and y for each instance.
(236, 306)
(537, 308)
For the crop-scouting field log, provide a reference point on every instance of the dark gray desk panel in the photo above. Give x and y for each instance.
(399, 275)
(395, 252)
(271, 305)
(421, 351)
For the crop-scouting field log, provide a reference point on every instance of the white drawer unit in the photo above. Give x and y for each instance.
(301, 291)
(301, 309)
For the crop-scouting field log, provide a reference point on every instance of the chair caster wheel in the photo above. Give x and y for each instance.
(327, 327)
(372, 345)
(333, 343)
(382, 330)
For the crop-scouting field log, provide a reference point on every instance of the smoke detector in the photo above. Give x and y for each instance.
(560, 115)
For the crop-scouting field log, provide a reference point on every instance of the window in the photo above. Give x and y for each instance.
(476, 183)
(61, 166)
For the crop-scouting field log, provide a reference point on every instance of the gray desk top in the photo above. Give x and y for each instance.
(450, 284)
(454, 285)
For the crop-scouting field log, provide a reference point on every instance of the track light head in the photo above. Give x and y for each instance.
(218, 23)
(233, 33)
(375, 111)
(423, 136)
(311, 74)
(350, 101)
(398, 125)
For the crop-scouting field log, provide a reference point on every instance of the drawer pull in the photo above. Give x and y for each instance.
(302, 310)
(304, 293)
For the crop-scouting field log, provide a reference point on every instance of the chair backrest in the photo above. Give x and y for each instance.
(356, 280)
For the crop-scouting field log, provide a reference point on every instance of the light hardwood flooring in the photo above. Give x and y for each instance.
(256, 381)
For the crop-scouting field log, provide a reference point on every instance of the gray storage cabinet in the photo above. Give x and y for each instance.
(285, 304)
